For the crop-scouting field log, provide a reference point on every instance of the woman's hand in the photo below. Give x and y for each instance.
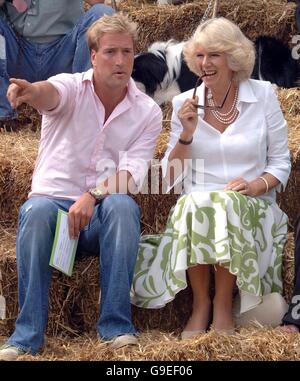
(188, 117)
(242, 186)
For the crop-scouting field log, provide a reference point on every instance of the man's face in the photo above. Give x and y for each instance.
(113, 62)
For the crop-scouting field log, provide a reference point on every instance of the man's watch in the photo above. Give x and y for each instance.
(96, 193)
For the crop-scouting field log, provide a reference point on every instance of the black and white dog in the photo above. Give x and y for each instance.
(162, 73)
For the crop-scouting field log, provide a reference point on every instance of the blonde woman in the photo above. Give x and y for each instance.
(229, 148)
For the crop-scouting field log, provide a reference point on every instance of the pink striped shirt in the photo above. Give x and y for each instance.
(78, 150)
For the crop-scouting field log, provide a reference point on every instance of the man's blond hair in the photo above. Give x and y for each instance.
(117, 23)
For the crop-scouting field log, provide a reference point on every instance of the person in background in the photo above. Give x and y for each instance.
(41, 38)
(98, 136)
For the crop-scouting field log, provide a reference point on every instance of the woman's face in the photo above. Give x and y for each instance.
(213, 67)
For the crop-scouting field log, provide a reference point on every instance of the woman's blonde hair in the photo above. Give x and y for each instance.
(223, 36)
(117, 23)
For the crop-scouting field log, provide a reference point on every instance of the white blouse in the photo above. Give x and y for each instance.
(256, 142)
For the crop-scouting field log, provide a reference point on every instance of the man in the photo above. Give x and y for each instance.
(90, 120)
(291, 320)
(40, 38)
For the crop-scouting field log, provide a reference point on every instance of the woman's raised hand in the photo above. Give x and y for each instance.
(188, 117)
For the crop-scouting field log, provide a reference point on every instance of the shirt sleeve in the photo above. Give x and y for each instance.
(278, 155)
(136, 159)
(66, 85)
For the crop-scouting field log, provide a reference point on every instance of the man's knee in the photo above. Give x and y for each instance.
(98, 10)
(121, 205)
(38, 212)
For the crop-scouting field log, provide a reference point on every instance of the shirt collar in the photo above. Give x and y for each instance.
(88, 75)
(132, 92)
(246, 94)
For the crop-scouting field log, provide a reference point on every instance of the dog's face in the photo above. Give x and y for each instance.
(149, 71)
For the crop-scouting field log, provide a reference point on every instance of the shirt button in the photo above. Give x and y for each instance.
(28, 24)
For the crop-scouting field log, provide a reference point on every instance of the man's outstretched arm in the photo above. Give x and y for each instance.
(40, 95)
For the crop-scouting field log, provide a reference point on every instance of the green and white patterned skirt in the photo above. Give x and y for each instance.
(243, 234)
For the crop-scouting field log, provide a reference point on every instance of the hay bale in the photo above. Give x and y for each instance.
(5, 169)
(74, 302)
(273, 18)
(18, 154)
(288, 271)
(290, 102)
(252, 344)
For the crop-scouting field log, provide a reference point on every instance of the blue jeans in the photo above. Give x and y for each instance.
(113, 234)
(20, 58)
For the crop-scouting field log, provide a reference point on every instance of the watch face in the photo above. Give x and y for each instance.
(97, 193)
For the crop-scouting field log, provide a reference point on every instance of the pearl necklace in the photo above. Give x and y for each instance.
(227, 117)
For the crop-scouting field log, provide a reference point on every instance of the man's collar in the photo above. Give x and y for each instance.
(88, 75)
(133, 91)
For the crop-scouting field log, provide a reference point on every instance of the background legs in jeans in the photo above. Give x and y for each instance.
(36, 62)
